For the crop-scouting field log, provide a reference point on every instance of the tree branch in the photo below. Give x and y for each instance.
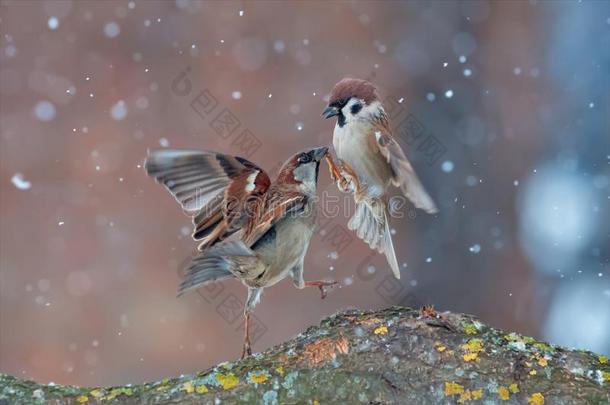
(392, 356)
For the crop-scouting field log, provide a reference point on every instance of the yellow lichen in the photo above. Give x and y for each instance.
(258, 378)
(543, 362)
(188, 387)
(533, 372)
(503, 393)
(473, 346)
(477, 394)
(201, 389)
(603, 359)
(381, 330)
(470, 329)
(465, 396)
(82, 399)
(452, 388)
(441, 348)
(514, 388)
(164, 385)
(95, 393)
(606, 375)
(280, 370)
(227, 381)
(316, 402)
(471, 357)
(536, 399)
(115, 392)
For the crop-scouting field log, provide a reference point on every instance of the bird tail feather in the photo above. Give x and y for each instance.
(220, 262)
(371, 224)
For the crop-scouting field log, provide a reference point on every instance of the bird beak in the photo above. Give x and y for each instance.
(319, 153)
(330, 112)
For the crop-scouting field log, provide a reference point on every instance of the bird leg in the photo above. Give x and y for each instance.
(254, 295)
(247, 350)
(324, 286)
(337, 174)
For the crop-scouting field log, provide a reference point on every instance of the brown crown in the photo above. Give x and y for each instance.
(286, 174)
(350, 87)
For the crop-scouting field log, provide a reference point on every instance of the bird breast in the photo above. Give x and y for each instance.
(286, 247)
(355, 146)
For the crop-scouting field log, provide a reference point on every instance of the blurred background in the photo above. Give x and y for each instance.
(501, 106)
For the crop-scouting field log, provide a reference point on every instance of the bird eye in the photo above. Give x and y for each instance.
(340, 103)
(304, 158)
(356, 108)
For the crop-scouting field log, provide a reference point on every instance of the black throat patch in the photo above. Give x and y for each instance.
(339, 105)
(341, 119)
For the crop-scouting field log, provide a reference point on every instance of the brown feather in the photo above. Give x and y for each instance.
(350, 87)
(403, 175)
(278, 201)
(240, 204)
(286, 174)
(203, 228)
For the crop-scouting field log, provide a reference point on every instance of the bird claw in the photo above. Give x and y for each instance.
(344, 181)
(346, 185)
(428, 311)
(323, 286)
(428, 314)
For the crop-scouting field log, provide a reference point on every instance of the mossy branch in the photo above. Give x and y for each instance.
(391, 356)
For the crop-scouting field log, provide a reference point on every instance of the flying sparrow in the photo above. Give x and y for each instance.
(248, 227)
(370, 160)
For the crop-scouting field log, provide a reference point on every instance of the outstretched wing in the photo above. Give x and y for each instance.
(216, 190)
(403, 175)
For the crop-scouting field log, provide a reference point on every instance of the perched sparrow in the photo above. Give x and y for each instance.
(248, 227)
(369, 161)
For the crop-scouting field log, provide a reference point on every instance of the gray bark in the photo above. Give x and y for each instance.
(391, 356)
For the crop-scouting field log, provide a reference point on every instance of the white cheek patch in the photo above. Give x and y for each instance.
(372, 110)
(306, 173)
(251, 180)
(347, 109)
(367, 112)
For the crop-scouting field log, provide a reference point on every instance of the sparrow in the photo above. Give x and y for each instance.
(369, 162)
(247, 226)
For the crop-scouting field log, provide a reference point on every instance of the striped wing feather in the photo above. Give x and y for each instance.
(403, 174)
(218, 191)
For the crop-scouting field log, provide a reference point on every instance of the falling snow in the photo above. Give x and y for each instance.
(44, 110)
(111, 29)
(118, 111)
(19, 182)
(53, 23)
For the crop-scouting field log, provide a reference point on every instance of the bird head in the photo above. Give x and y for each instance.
(351, 100)
(302, 169)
